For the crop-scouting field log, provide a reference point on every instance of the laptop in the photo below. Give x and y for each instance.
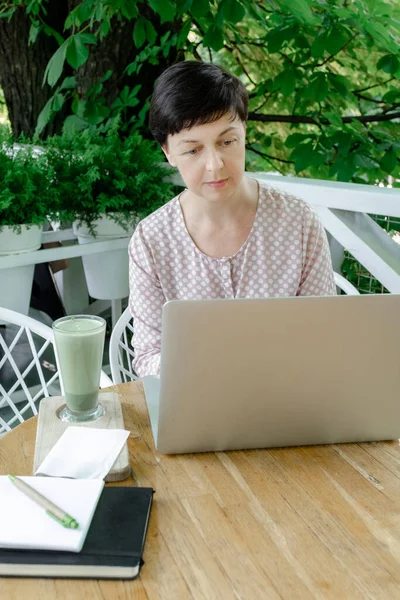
(244, 373)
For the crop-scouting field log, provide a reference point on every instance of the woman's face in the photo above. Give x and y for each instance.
(210, 157)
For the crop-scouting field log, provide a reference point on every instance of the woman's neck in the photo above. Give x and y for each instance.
(221, 228)
(221, 213)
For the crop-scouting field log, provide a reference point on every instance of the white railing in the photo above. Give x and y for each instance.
(73, 289)
(342, 208)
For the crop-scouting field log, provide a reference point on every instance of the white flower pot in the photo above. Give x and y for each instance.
(16, 282)
(107, 274)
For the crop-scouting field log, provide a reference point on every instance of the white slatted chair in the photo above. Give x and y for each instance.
(345, 285)
(121, 350)
(19, 399)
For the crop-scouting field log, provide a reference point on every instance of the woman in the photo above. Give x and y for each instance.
(225, 235)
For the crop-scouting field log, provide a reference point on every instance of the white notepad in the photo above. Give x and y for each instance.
(26, 525)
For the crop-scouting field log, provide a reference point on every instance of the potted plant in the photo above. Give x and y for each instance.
(106, 184)
(25, 204)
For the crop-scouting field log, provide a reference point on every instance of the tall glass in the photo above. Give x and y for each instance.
(79, 342)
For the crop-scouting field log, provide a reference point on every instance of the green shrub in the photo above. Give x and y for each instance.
(96, 174)
(25, 195)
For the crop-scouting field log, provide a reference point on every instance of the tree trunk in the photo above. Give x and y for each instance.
(116, 51)
(22, 67)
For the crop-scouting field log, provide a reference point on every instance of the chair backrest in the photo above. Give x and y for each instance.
(121, 350)
(345, 285)
(28, 368)
(24, 378)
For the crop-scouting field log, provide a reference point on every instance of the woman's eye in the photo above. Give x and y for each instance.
(193, 151)
(228, 142)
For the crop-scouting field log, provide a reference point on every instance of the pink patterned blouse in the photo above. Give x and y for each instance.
(285, 254)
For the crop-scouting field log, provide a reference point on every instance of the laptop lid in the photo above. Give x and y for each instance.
(246, 373)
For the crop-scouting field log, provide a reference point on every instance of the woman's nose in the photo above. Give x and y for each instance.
(214, 160)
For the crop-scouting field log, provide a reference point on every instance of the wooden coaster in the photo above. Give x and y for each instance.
(50, 428)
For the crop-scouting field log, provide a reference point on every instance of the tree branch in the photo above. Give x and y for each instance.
(333, 55)
(264, 155)
(375, 85)
(264, 102)
(286, 57)
(362, 97)
(231, 50)
(303, 119)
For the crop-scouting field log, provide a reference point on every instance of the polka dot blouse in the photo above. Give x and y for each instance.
(285, 254)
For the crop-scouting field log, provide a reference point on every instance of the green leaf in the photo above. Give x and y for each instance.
(343, 168)
(389, 64)
(33, 33)
(365, 162)
(55, 65)
(233, 10)
(214, 38)
(303, 156)
(58, 101)
(383, 146)
(91, 113)
(293, 140)
(183, 7)
(329, 40)
(8, 14)
(164, 38)
(200, 8)
(44, 116)
(52, 32)
(392, 96)
(318, 45)
(139, 32)
(106, 76)
(183, 34)
(275, 40)
(104, 28)
(285, 81)
(336, 38)
(87, 38)
(340, 83)
(151, 33)
(318, 88)
(389, 161)
(381, 35)
(77, 53)
(129, 9)
(277, 37)
(73, 123)
(164, 8)
(68, 84)
(333, 118)
(300, 10)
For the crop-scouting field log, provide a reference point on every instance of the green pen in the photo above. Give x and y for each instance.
(51, 509)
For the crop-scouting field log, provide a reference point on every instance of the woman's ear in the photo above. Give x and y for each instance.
(168, 156)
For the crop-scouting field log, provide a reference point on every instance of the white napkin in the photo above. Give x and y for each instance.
(84, 453)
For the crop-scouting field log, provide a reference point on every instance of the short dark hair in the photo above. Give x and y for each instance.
(194, 93)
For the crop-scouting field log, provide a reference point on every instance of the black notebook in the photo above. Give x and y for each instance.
(112, 550)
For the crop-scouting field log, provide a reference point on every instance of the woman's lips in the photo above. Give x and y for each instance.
(217, 184)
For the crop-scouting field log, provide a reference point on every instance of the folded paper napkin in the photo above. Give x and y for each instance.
(84, 453)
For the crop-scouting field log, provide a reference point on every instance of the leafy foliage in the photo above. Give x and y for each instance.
(323, 77)
(95, 174)
(25, 189)
(81, 177)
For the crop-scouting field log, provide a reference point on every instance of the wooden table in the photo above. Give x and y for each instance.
(295, 523)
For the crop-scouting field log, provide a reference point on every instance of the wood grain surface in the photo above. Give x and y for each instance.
(291, 523)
